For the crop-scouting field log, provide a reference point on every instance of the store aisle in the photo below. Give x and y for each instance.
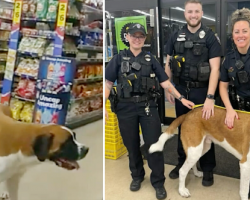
(117, 181)
(49, 182)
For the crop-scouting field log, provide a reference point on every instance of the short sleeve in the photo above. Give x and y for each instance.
(169, 49)
(111, 71)
(213, 45)
(159, 70)
(224, 71)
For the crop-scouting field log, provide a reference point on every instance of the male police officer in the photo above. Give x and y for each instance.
(137, 74)
(195, 67)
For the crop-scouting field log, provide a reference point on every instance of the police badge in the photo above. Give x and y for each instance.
(202, 34)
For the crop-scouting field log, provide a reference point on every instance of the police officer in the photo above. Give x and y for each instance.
(236, 69)
(138, 74)
(195, 67)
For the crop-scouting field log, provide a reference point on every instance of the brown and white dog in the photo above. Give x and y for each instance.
(197, 134)
(23, 145)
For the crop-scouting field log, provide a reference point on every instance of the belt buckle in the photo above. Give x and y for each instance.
(136, 98)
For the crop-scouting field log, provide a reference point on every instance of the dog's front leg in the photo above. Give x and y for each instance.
(244, 179)
(4, 193)
(12, 185)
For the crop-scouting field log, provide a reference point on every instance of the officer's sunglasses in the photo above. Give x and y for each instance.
(140, 37)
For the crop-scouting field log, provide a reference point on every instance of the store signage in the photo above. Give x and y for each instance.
(55, 78)
(121, 25)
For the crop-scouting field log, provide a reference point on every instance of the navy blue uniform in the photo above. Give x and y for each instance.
(229, 69)
(197, 93)
(130, 115)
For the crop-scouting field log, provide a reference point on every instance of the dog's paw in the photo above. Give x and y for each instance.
(4, 196)
(184, 192)
(155, 147)
(198, 174)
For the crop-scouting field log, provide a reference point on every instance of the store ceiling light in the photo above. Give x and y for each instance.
(181, 9)
(144, 13)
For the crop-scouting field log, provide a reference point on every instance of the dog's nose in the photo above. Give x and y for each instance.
(84, 151)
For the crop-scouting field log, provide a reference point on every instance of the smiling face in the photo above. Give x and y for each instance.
(241, 35)
(136, 40)
(193, 14)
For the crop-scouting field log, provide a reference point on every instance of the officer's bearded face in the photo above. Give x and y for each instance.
(136, 40)
(193, 14)
(241, 35)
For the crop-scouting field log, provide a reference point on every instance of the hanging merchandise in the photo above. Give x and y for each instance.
(6, 15)
(45, 38)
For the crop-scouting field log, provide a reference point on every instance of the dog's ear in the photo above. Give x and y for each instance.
(42, 145)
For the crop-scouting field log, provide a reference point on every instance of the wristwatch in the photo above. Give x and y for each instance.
(210, 96)
(181, 97)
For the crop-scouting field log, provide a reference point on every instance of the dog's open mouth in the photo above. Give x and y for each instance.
(69, 165)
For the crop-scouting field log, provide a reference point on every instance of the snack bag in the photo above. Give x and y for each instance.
(42, 7)
(52, 10)
(16, 107)
(20, 90)
(27, 112)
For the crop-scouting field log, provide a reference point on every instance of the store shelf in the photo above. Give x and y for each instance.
(20, 98)
(30, 54)
(3, 49)
(2, 29)
(87, 29)
(88, 60)
(85, 98)
(87, 118)
(88, 10)
(88, 80)
(9, 1)
(51, 37)
(26, 76)
(38, 20)
(88, 47)
(5, 18)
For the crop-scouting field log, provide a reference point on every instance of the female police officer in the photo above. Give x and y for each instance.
(136, 73)
(236, 68)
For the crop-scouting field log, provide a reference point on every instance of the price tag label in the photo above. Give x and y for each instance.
(62, 14)
(17, 12)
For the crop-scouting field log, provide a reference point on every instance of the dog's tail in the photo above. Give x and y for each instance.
(158, 146)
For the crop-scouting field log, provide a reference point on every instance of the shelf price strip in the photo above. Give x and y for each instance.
(11, 58)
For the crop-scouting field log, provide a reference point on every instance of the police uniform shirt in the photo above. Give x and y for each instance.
(212, 43)
(228, 68)
(112, 69)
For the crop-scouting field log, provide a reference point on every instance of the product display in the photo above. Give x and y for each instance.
(6, 15)
(48, 28)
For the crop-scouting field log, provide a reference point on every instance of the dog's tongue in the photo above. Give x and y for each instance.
(69, 165)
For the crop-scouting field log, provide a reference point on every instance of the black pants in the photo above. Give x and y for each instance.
(197, 96)
(130, 115)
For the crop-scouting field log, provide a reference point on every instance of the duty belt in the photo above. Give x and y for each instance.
(243, 103)
(136, 99)
(191, 84)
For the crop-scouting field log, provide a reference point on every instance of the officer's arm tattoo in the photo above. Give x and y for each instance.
(109, 86)
(170, 89)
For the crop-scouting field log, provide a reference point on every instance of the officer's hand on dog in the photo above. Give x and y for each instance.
(208, 109)
(231, 114)
(187, 103)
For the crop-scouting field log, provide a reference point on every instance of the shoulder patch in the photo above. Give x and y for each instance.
(224, 58)
(217, 37)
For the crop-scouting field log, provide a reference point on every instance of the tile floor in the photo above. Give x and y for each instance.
(117, 181)
(48, 182)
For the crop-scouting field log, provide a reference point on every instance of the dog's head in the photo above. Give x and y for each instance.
(58, 144)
